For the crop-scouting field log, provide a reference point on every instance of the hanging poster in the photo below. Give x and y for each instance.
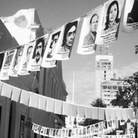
(48, 58)
(13, 71)
(36, 55)
(1, 59)
(130, 21)
(64, 48)
(25, 59)
(88, 33)
(8, 59)
(109, 25)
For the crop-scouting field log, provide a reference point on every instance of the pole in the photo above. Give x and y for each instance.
(136, 124)
(73, 86)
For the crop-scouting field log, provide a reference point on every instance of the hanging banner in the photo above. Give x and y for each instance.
(130, 21)
(88, 33)
(109, 26)
(36, 55)
(64, 48)
(54, 40)
(8, 59)
(25, 59)
(13, 71)
(118, 136)
(81, 131)
(130, 127)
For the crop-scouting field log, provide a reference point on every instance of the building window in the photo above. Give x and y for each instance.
(114, 87)
(119, 87)
(104, 87)
(109, 87)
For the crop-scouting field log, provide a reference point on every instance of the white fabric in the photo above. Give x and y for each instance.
(50, 105)
(58, 107)
(88, 112)
(33, 102)
(16, 92)
(6, 90)
(65, 109)
(42, 102)
(25, 97)
(80, 111)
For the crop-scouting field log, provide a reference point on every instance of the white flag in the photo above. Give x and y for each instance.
(19, 25)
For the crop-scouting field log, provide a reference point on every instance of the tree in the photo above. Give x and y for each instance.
(124, 97)
(98, 103)
(88, 121)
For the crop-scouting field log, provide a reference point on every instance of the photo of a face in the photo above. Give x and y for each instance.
(27, 56)
(67, 40)
(19, 55)
(29, 50)
(113, 13)
(52, 47)
(38, 51)
(17, 60)
(8, 58)
(70, 36)
(94, 23)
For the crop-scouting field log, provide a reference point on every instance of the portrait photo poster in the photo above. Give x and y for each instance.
(109, 25)
(36, 55)
(52, 43)
(130, 20)
(63, 49)
(25, 59)
(16, 62)
(86, 44)
(7, 62)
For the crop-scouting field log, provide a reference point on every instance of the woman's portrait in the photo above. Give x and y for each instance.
(112, 16)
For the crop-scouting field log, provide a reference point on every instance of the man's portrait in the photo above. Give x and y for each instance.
(28, 53)
(8, 57)
(38, 51)
(17, 59)
(69, 37)
(54, 40)
(91, 36)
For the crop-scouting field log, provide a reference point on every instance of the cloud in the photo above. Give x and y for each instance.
(84, 82)
(126, 71)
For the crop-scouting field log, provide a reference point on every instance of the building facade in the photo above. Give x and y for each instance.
(110, 88)
(103, 71)
(48, 82)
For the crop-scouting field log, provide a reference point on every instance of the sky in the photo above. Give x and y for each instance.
(55, 13)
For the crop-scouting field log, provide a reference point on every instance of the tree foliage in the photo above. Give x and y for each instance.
(124, 97)
(98, 103)
(88, 121)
